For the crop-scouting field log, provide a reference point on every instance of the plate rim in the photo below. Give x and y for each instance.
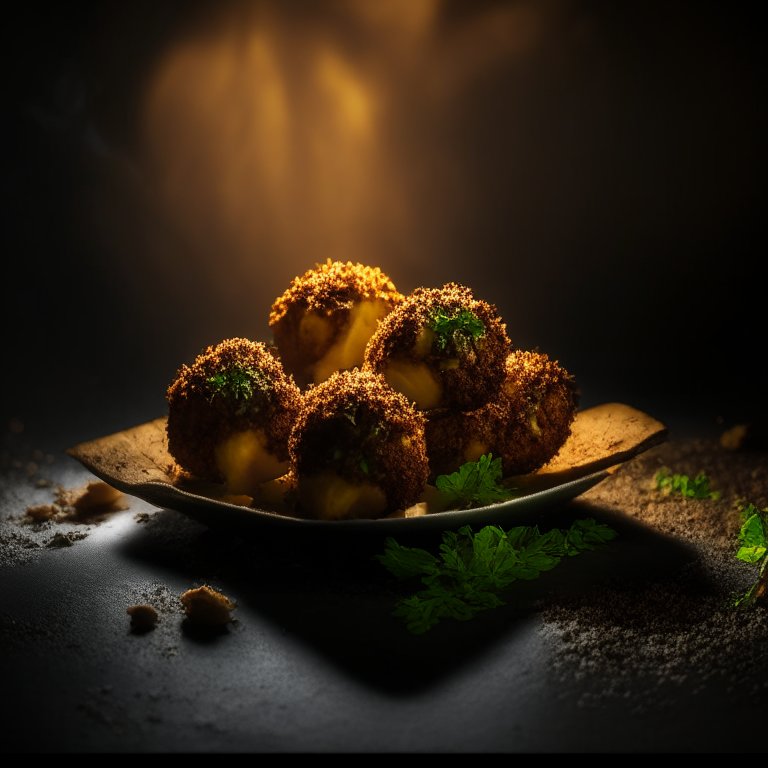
(160, 490)
(444, 519)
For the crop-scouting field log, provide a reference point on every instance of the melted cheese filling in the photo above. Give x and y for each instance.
(245, 462)
(349, 349)
(416, 381)
(474, 451)
(330, 497)
(424, 341)
(314, 331)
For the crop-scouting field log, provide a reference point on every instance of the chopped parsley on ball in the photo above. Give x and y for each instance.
(231, 414)
(441, 348)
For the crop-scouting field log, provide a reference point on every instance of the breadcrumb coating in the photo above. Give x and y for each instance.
(327, 295)
(469, 370)
(358, 427)
(332, 286)
(526, 425)
(206, 407)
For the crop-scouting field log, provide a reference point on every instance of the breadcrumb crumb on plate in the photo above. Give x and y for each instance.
(136, 461)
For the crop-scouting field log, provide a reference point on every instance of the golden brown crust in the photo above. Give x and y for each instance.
(332, 286)
(481, 368)
(330, 291)
(355, 422)
(200, 418)
(526, 425)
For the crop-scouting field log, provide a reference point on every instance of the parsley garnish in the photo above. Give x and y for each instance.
(237, 382)
(754, 535)
(698, 488)
(460, 327)
(472, 568)
(474, 485)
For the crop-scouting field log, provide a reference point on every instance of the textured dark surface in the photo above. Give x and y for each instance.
(315, 662)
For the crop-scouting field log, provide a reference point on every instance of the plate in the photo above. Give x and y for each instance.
(136, 461)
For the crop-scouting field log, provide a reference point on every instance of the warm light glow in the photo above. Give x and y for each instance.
(275, 143)
(350, 106)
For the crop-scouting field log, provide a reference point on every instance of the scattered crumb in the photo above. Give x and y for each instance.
(90, 502)
(91, 496)
(65, 539)
(733, 439)
(739, 478)
(78, 505)
(158, 598)
(142, 517)
(37, 454)
(31, 468)
(679, 626)
(749, 437)
(143, 617)
(661, 633)
(42, 512)
(28, 516)
(13, 544)
(206, 607)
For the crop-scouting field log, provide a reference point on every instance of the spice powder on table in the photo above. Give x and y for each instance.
(642, 639)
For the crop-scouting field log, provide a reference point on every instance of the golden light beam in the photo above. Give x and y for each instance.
(275, 144)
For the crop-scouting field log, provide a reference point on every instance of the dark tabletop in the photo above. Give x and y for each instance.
(314, 661)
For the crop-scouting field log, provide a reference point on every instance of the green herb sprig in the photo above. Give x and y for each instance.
(473, 568)
(698, 488)
(476, 484)
(459, 327)
(236, 382)
(754, 549)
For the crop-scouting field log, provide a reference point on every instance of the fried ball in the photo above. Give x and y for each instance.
(357, 450)
(231, 414)
(526, 425)
(441, 348)
(323, 322)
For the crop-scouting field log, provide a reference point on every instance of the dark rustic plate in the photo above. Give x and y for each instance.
(136, 461)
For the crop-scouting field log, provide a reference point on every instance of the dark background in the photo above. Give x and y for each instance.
(592, 168)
